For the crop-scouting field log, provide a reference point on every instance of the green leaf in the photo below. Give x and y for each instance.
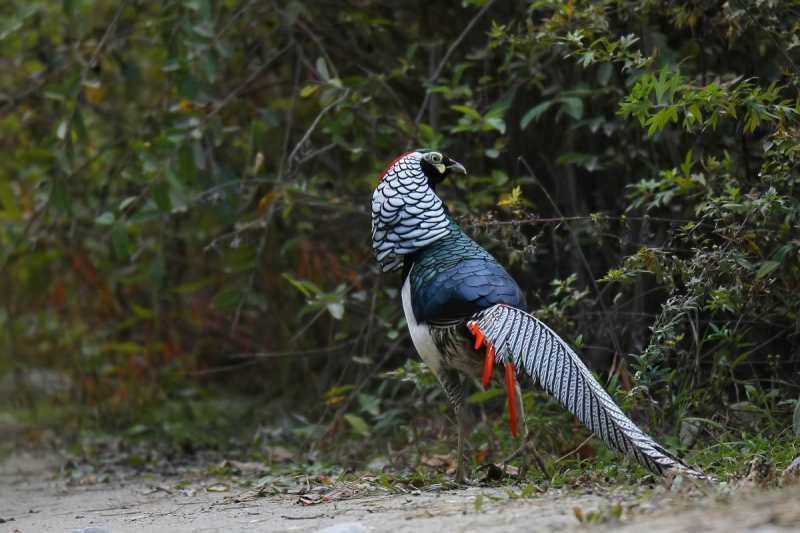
(161, 197)
(661, 119)
(496, 123)
(122, 347)
(426, 134)
(127, 202)
(188, 86)
(308, 90)
(686, 166)
(162, 147)
(192, 286)
(322, 68)
(226, 298)
(500, 107)
(336, 310)
(8, 201)
(186, 167)
(106, 219)
(358, 423)
(142, 312)
(204, 30)
(572, 106)
(203, 7)
(673, 85)
(412, 49)
(499, 176)
(662, 84)
(91, 81)
(604, 74)
(172, 178)
(767, 268)
(484, 395)
(513, 200)
(534, 113)
(467, 111)
(119, 240)
(224, 49)
(171, 65)
(306, 287)
(79, 126)
(210, 66)
(60, 196)
(63, 128)
(157, 271)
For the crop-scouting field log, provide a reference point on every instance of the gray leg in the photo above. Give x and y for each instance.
(451, 381)
(526, 450)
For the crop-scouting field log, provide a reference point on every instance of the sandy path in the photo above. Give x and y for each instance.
(37, 501)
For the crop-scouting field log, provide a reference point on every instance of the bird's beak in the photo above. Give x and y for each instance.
(457, 168)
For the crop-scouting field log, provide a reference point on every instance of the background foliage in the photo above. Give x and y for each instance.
(185, 189)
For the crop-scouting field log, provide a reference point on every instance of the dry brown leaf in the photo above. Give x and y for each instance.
(279, 454)
(246, 465)
(439, 461)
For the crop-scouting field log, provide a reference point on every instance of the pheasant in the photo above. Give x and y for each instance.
(466, 315)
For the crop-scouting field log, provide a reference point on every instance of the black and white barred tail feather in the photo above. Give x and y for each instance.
(537, 351)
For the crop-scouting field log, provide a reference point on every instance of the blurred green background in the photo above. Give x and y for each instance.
(185, 232)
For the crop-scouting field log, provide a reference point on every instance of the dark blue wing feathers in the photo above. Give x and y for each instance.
(454, 278)
(465, 289)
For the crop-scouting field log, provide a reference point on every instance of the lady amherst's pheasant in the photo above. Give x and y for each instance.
(457, 298)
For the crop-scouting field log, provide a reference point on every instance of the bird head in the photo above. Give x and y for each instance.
(436, 166)
(407, 215)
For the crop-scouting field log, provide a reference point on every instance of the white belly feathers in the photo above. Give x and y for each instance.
(420, 334)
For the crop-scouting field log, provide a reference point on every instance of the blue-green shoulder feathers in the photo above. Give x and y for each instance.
(454, 278)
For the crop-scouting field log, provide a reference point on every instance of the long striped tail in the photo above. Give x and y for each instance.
(514, 336)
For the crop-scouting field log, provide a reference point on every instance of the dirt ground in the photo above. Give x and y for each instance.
(35, 497)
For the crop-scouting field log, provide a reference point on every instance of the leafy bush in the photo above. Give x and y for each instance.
(185, 194)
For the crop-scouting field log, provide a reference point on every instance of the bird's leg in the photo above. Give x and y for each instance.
(451, 382)
(526, 450)
(462, 416)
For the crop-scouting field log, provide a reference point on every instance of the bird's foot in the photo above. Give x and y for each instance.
(527, 451)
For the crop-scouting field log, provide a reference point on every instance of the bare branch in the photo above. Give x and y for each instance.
(446, 58)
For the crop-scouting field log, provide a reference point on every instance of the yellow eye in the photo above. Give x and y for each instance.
(436, 158)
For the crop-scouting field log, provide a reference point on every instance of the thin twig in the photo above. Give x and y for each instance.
(446, 58)
(93, 60)
(322, 49)
(258, 358)
(575, 241)
(108, 32)
(601, 218)
(780, 47)
(244, 84)
(304, 517)
(575, 450)
(314, 124)
(267, 218)
(13, 101)
(230, 22)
